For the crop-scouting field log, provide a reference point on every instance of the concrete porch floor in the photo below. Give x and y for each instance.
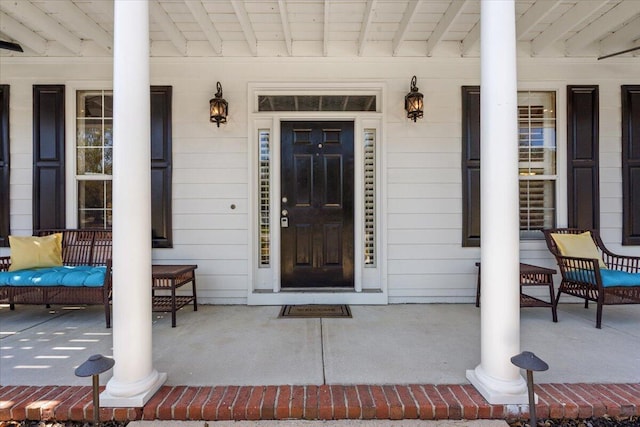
(396, 345)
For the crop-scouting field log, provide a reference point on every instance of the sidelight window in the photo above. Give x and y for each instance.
(264, 176)
(369, 197)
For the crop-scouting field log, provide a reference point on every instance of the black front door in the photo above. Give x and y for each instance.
(316, 225)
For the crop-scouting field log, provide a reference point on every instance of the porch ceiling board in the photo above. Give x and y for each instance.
(22, 34)
(407, 17)
(168, 26)
(202, 18)
(72, 16)
(306, 28)
(286, 29)
(33, 17)
(453, 11)
(576, 15)
(624, 38)
(245, 24)
(597, 28)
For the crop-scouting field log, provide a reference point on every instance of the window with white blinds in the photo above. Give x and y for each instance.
(537, 160)
(369, 197)
(264, 177)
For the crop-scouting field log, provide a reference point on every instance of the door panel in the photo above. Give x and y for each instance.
(317, 204)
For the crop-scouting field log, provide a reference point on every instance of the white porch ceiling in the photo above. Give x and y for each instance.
(338, 28)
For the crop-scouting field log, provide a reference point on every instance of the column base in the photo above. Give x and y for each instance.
(135, 401)
(499, 392)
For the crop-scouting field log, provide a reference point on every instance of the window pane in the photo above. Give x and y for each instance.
(89, 132)
(94, 204)
(537, 205)
(90, 161)
(89, 103)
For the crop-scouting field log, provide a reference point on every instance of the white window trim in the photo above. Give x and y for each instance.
(370, 285)
(71, 198)
(561, 149)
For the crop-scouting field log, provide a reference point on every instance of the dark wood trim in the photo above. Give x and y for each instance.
(48, 157)
(583, 186)
(471, 166)
(630, 164)
(161, 166)
(5, 169)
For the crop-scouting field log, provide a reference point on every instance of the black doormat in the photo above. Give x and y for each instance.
(315, 311)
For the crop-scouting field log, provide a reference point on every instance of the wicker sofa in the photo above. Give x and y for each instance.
(606, 279)
(87, 247)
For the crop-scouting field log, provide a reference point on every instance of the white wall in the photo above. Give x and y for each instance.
(425, 259)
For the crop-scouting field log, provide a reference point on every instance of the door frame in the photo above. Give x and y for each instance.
(370, 285)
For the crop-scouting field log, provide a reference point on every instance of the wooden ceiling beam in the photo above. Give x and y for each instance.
(286, 29)
(599, 27)
(469, 42)
(572, 18)
(453, 11)
(75, 17)
(622, 39)
(22, 34)
(407, 18)
(366, 26)
(202, 18)
(166, 24)
(245, 24)
(33, 17)
(534, 15)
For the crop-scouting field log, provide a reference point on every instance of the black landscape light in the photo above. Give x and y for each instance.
(93, 367)
(529, 361)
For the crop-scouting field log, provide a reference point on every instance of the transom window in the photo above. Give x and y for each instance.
(94, 157)
(316, 103)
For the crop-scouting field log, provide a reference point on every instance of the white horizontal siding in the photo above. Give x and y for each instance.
(422, 192)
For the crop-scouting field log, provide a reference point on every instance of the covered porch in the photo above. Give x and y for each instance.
(241, 349)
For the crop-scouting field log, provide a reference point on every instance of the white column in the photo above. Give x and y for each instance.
(134, 379)
(496, 378)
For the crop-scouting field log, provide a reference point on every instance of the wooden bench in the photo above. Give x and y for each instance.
(531, 275)
(169, 278)
(87, 247)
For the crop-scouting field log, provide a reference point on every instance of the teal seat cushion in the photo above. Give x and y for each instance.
(619, 278)
(55, 276)
(610, 278)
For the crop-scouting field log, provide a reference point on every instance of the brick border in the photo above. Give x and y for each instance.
(324, 402)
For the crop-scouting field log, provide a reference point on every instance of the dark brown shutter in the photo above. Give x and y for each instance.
(470, 166)
(582, 157)
(5, 200)
(48, 157)
(631, 165)
(161, 166)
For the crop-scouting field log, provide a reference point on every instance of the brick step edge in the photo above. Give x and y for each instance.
(323, 402)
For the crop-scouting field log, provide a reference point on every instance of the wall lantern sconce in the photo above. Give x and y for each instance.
(413, 102)
(218, 107)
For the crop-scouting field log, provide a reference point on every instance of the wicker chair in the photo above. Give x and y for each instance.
(582, 278)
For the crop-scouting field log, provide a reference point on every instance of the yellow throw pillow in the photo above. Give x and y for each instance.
(35, 252)
(578, 246)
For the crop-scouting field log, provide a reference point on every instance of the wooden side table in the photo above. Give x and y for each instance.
(531, 275)
(170, 278)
